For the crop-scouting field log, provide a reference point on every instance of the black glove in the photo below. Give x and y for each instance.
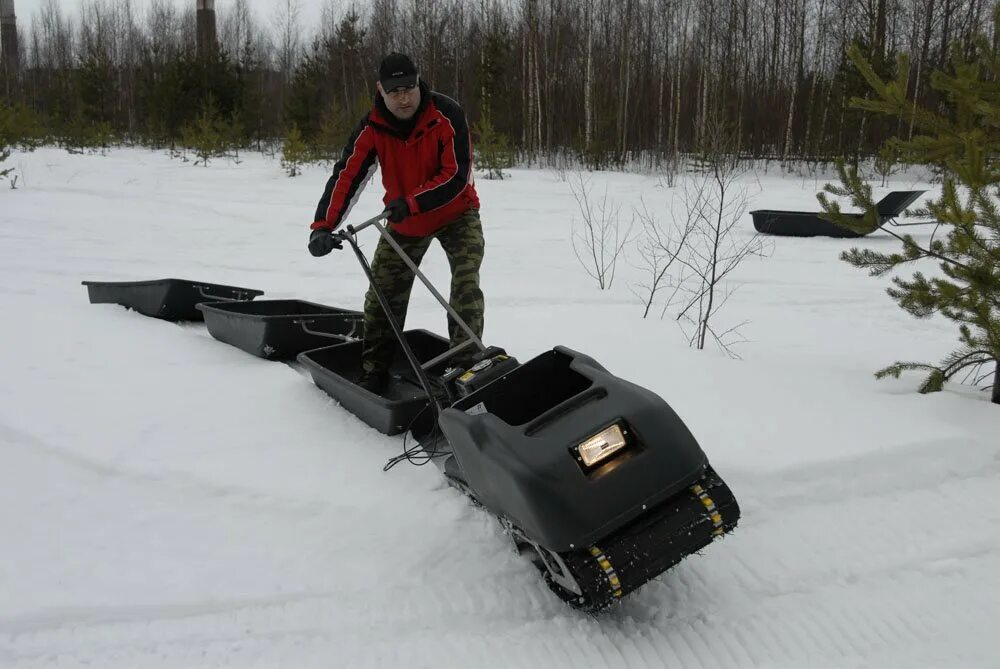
(398, 210)
(322, 241)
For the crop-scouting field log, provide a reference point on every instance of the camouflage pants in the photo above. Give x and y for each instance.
(462, 241)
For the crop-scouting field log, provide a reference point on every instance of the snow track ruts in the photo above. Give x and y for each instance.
(827, 584)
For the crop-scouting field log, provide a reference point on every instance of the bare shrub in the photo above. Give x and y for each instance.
(715, 204)
(598, 238)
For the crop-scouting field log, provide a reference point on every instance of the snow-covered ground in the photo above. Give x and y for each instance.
(170, 501)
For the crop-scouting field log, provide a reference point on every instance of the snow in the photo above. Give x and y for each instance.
(170, 501)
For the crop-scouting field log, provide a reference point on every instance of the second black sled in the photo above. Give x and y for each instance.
(596, 479)
(168, 299)
(279, 329)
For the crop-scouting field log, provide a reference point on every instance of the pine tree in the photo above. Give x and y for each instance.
(207, 136)
(334, 130)
(960, 139)
(6, 140)
(307, 93)
(885, 164)
(19, 127)
(235, 134)
(336, 126)
(249, 116)
(95, 82)
(294, 152)
(492, 148)
(80, 135)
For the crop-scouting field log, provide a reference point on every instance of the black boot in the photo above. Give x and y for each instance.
(374, 382)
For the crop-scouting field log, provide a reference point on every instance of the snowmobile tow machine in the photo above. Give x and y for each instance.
(596, 479)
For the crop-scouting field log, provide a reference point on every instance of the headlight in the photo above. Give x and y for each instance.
(601, 446)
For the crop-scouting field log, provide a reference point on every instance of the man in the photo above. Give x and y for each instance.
(421, 140)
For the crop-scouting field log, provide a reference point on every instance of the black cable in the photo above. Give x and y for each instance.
(416, 454)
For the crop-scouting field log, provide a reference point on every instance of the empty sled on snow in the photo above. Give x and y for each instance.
(810, 224)
(279, 329)
(335, 368)
(169, 299)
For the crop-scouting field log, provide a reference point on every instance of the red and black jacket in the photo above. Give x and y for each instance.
(429, 164)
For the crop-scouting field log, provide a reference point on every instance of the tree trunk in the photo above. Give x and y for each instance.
(9, 43)
(790, 119)
(744, 83)
(551, 56)
(525, 90)
(706, 67)
(539, 120)
(530, 118)
(996, 384)
(861, 133)
(924, 49)
(676, 105)
(945, 36)
(878, 41)
(588, 100)
(681, 52)
(843, 115)
(625, 75)
(817, 64)
(484, 101)
(662, 72)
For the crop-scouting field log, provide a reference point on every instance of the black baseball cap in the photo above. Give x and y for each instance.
(397, 70)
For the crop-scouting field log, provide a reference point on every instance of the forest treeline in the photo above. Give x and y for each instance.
(613, 82)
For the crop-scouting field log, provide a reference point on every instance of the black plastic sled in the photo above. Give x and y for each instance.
(280, 329)
(169, 299)
(335, 369)
(810, 224)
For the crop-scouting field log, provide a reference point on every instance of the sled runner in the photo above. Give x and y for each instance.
(169, 299)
